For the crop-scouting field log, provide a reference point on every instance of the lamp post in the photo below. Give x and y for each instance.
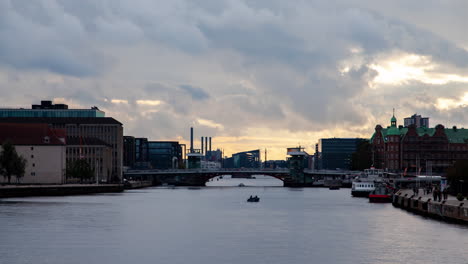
(97, 171)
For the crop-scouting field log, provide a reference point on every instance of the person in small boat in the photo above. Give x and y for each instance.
(250, 197)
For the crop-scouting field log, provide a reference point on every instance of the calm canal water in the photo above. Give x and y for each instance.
(217, 225)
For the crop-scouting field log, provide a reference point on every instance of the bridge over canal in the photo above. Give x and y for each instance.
(199, 177)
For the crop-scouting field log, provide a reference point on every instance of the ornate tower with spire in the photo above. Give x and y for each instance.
(393, 121)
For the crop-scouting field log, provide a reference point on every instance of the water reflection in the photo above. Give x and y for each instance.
(217, 225)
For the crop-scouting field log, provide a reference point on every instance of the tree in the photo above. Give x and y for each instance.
(458, 176)
(79, 169)
(11, 163)
(362, 158)
(19, 168)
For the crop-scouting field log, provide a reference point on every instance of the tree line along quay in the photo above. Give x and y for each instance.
(50, 144)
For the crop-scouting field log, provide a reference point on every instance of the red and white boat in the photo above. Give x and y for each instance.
(381, 194)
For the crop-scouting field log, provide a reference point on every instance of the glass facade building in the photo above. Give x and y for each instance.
(335, 153)
(247, 159)
(164, 155)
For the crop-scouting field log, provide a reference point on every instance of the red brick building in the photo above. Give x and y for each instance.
(418, 149)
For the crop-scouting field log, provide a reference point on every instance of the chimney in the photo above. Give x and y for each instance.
(191, 140)
(206, 145)
(201, 151)
(210, 145)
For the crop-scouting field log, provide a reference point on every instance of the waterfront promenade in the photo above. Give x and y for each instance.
(57, 190)
(450, 209)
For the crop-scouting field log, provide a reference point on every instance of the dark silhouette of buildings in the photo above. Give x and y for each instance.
(129, 151)
(416, 120)
(154, 154)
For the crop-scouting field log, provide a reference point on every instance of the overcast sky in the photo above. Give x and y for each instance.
(250, 73)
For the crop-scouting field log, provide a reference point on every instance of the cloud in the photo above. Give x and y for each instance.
(304, 68)
(149, 102)
(195, 92)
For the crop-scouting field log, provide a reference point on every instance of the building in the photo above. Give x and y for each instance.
(96, 152)
(129, 152)
(247, 159)
(106, 129)
(276, 164)
(416, 120)
(418, 149)
(165, 155)
(210, 165)
(42, 147)
(228, 162)
(335, 153)
(214, 155)
(48, 109)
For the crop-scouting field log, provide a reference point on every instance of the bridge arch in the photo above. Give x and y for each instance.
(209, 176)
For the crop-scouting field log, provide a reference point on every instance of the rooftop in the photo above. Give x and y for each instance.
(61, 120)
(454, 135)
(31, 134)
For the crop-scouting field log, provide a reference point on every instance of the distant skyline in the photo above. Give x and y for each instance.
(252, 74)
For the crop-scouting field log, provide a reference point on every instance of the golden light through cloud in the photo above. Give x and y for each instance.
(210, 123)
(408, 67)
(118, 101)
(448, 103)
(149, 102)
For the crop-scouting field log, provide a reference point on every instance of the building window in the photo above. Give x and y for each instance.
(34, 164)
(33, 174)
(32, 148)
(32, 156)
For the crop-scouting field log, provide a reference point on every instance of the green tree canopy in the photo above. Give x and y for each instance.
(11, 163)
(79, 169)
(362, 158)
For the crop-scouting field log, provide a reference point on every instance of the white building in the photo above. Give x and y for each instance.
(42, 147)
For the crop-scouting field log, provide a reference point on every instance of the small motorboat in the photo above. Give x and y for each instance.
(241, 185)
(253, 199)
(334, 187)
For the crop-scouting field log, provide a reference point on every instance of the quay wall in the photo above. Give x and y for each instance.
(138, 184)
(450, 210)
(57, 190)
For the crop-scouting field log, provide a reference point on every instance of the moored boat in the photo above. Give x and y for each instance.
(381, 194)
(362, 188)
(364, 184)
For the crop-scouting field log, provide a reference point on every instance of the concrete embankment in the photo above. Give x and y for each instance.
(57, 190)
(450, 210)
(138, 184)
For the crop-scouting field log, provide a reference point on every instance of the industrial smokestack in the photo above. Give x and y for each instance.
(201, 145)
(210, 145)
(191, 139)
(206, 145)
